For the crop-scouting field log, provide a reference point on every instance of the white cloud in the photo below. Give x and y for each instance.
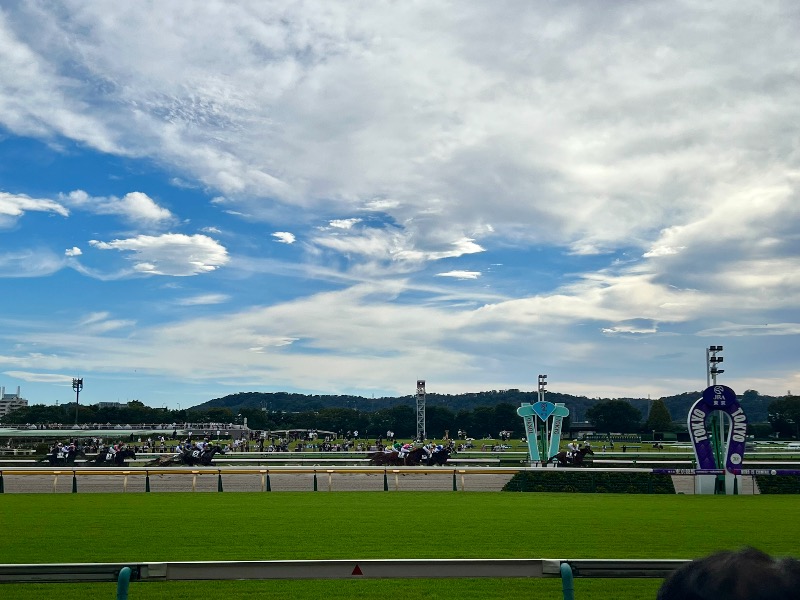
(460, 274)
(30, 263)
(657, 251)
(394, 245)
(13, 206)
(74, 251)
(284, 237)
(99, 323)
(615, 114)
(739, 330)
(344, 223)
(204, 299)
(33, 98)
(134, 207)
(170, 254)
(40, 377)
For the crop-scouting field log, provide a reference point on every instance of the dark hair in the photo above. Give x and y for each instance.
(747, 574)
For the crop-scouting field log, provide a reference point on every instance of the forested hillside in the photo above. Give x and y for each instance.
(755, 404)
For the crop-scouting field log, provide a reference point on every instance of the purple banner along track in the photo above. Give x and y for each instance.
(721, 398)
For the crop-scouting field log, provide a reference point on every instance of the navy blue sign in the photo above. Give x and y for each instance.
(722, 398)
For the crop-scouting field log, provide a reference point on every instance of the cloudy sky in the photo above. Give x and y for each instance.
(202, 198)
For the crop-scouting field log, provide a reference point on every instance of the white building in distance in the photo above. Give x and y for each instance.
(10, 402)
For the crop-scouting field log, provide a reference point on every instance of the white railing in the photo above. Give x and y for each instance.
(337, 569)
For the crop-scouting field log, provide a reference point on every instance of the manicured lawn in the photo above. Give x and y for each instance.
(41, 528)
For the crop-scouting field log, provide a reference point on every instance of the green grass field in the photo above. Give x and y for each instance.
(40, 528)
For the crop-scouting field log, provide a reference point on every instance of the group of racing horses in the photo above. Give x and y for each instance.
(416, 457)
(202, 456)
(190, 457)
(67, 455)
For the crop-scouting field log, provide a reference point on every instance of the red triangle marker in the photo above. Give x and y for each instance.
(357, 571)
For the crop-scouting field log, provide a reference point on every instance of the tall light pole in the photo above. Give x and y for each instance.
(77, 385)
(718, 420)
(546, 433)
(712, 360)
(421, 410)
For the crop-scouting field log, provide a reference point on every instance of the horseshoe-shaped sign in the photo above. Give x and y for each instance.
(718, 398)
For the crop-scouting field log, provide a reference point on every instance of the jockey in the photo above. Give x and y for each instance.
(572, 448)
(404, 450)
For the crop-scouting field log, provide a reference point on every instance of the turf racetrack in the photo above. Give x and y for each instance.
(41, 528)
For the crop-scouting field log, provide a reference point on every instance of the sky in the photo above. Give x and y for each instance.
(205, 198)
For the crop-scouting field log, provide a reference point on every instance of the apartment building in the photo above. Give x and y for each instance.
(9, 402)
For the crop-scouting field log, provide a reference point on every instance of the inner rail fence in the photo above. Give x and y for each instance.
(288, 478)
(124, 573)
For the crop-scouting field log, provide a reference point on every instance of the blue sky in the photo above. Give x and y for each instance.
(198, 199)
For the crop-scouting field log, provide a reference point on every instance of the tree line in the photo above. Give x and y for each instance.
(780, 415)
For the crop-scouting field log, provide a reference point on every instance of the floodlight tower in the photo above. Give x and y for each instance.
(712, 362)
(545, 423)
(717, 419)
(77, 385)
(421, 409)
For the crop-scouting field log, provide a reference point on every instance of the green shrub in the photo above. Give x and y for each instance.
(778, 484)
(590, 482)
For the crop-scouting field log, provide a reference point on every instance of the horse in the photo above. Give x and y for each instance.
(415, 457)
(206, 458)
(575, 461)
(188, 456)
(106, 458)
(439, 457)
(385, 458)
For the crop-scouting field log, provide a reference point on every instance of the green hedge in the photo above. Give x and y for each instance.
(778, 484)
(589, 482)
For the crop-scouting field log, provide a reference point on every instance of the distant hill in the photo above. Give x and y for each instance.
(754, 404)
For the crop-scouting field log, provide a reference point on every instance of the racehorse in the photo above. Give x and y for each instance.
(439, 457)
(381, 458)
(105, 458)
(575, 461)
(415, 457)
(206, 458)
(64, 456)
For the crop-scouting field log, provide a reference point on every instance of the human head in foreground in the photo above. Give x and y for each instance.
(747, 574)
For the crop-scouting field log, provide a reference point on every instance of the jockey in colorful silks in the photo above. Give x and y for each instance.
(404, 450)
(572, 448)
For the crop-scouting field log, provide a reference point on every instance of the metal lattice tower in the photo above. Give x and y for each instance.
(420, 409)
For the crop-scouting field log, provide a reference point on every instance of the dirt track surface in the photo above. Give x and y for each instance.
(253, 482)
